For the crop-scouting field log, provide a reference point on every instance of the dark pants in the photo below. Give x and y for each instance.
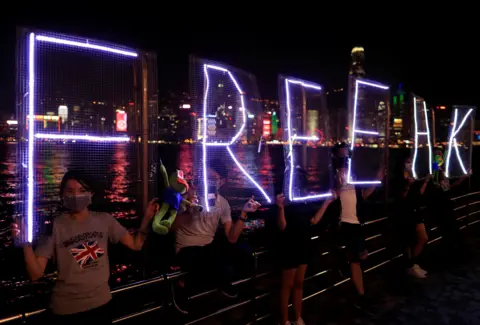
(209, 264)
(448, 225)
(100, 315)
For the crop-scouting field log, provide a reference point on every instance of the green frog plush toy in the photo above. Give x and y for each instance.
(173, 201)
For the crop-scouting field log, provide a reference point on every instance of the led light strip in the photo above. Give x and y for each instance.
(48, 39)
(80, 137)
(355, 130)
(206, 144)
(453, 141)
(294, 137)
(31, 129)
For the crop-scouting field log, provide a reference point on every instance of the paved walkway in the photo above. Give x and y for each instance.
(450, 296)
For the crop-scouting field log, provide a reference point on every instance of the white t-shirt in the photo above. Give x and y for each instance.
(348, 201)
(200, 228)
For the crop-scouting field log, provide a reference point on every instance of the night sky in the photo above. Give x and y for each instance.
(436, 59)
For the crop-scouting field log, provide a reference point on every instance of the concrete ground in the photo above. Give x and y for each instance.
(450, 295)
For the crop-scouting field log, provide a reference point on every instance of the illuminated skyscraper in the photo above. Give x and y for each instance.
(358, 59)
(356, 71)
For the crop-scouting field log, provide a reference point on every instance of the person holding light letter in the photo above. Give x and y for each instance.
(79, 246)
(295, 249)
(199, 252)
(350, 231)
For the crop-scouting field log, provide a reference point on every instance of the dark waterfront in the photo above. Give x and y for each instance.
(116, 170)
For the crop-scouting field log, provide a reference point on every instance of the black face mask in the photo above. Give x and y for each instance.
(340, 162)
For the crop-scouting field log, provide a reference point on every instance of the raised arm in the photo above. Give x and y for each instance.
(35, 262)
(134, 242)
(281, 221)
(461, 179)
(366, 192)
(321, 212)
(425, 184)
(233, 231)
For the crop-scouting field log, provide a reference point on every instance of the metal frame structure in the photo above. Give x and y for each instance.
(28, 42)
(416, 133)
(354, 83)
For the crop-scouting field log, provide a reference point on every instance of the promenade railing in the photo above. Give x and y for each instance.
(152, 297)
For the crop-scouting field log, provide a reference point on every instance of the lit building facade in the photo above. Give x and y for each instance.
(358, 60)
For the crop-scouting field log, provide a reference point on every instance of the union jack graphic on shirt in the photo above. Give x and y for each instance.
(86, 253)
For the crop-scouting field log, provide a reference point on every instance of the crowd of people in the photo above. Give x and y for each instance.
(79, 242)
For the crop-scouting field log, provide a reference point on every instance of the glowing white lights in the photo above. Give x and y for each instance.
(422, 133)
(80, 137)
(86, 45)
(206, 144)
(31, 130)
(453, 141)
(33, 40)
(294, 137)
(355, 130)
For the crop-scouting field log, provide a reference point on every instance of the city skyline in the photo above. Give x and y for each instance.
(431, 66)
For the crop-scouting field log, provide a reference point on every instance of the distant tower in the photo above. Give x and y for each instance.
(358, 59)
(356, 71)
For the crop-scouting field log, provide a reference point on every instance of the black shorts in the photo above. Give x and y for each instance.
(351, 235)
(408, 219)
(291, 254)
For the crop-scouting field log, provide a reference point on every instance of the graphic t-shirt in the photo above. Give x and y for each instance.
(200, 228)
(80, 250)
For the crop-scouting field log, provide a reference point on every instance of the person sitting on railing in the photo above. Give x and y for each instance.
(350, 231)
(442, 208)
(78, 245)
(198, 254)
(294, 251)
(409, 195)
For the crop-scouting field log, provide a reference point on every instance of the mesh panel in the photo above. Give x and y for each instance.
(421, 127)
(227, 131)
(369, 113)
(86, 109)
(458, 157)
(306, 152)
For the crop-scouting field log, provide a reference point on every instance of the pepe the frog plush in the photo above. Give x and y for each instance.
(175, 186)
(438, 166)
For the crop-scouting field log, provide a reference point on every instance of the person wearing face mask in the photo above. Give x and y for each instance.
(351, 235)
(410, 201)
(199, 253)
(79, 247)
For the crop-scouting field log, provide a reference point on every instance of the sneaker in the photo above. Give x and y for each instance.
(420, 269)
(229, 291)
(299, 322)
(415, 272)
(180, 298)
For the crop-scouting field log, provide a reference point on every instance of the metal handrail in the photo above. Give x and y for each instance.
(171, 276)
(366, 271)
